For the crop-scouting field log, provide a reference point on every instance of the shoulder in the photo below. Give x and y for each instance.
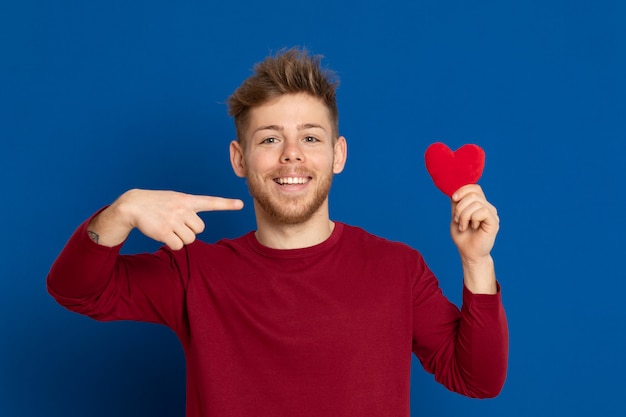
(356, 232)
(380, 255)
(368, 242)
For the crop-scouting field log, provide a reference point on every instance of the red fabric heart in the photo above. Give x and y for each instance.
(452, 170)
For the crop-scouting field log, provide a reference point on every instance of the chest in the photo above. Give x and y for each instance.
(299, 305)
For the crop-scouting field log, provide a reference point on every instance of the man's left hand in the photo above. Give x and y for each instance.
(474, 224)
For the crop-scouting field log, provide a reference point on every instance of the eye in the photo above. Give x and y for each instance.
(310, 139)
(269, 140)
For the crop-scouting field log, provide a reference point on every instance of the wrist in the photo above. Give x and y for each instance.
(477, 262)
(111, 226)
(479, 275)
(120, 213)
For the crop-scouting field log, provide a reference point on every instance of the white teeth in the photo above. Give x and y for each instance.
(292, 180)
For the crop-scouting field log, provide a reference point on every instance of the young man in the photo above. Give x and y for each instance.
(304, 316)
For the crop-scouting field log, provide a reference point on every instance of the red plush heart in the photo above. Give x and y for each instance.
(452, 170)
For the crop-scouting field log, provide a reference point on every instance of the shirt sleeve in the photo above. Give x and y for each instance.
(466, 349)
(99, 282)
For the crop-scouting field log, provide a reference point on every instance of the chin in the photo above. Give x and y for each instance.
(289, 210)
(282, 214)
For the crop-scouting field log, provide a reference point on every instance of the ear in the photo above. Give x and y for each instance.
(236, 159)
(340, 153)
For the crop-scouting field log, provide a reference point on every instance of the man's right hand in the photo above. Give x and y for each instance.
(166, 216)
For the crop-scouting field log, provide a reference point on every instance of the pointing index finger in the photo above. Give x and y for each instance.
(201, 203)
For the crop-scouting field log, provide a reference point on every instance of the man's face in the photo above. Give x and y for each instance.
(289, 157)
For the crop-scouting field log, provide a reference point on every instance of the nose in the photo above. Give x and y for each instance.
(291, 152)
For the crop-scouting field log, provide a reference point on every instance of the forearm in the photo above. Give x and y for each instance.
(82, 268)
(97, 281)
(466, 350)
(479, 276)
(482, 344)
(111, 226)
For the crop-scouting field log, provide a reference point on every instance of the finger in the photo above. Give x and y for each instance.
(478, 216)
(199, 203)
(463, 204)
(173, 242)
(472, 216)
(464, 191)
(185, 234)
(469, 195)
(195, 224)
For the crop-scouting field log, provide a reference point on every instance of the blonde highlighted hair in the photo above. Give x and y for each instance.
(290, 71)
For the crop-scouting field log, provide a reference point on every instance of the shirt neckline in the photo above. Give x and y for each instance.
(296, 253)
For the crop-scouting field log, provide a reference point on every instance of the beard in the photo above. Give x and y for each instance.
(285, 209)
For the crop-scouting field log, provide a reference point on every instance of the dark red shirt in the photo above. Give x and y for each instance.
(322, 331)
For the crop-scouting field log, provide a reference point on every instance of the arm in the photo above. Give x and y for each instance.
(482, 343)
(467, 352)
(165, 216)
(90, 277)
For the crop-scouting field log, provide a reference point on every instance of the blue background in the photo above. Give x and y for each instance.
(98, 97)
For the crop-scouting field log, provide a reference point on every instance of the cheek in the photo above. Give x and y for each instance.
(321, 157)
(256, 166)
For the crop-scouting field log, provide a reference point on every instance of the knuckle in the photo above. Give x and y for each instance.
(164, 229)
(174, 244)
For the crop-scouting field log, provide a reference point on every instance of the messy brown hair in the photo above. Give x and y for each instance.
(290, 71)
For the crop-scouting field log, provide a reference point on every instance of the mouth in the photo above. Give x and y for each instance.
(292, 180)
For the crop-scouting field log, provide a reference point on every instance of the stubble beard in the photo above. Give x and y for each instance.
(290, 210)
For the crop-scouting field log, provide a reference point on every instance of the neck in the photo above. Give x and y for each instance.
(278, 235)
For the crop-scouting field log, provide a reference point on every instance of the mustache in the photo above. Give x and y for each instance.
(286, 172)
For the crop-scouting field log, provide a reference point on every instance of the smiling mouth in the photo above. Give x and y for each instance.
(292, 180)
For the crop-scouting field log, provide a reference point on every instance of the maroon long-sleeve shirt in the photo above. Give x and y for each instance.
(321, 331)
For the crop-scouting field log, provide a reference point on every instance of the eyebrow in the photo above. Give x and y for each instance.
(277, 128)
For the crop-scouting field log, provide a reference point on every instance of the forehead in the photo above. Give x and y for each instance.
(289, 110)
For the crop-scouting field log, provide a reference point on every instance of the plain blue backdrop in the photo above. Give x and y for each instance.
(98, 97)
